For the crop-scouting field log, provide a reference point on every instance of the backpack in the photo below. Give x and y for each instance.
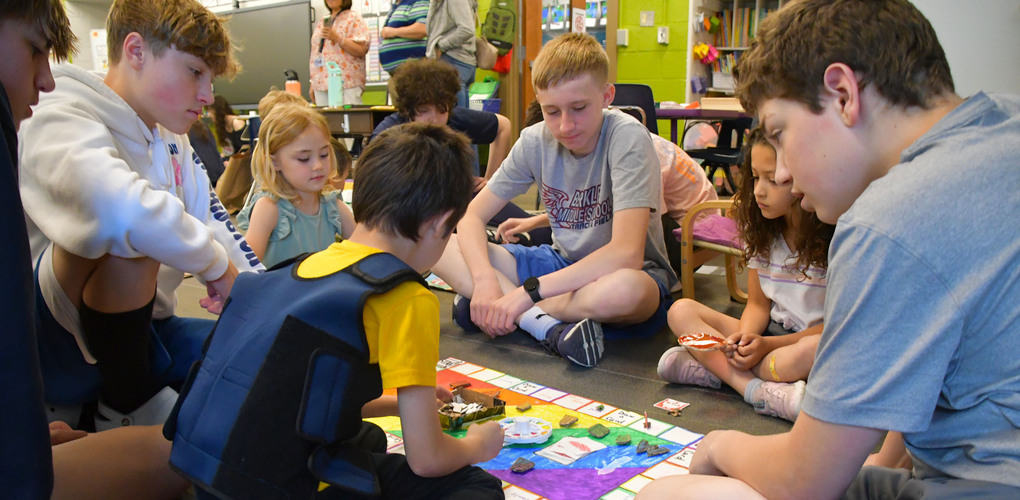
(500, 24)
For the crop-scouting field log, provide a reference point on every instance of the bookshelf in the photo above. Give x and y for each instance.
(738, 23)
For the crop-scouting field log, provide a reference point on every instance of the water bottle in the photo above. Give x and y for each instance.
(293, 85)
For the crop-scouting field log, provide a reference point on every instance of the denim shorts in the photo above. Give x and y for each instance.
(542, 260)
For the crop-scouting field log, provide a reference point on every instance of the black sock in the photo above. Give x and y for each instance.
(120, 342)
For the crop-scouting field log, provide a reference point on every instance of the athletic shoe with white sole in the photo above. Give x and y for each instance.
(580, 343)
(462, 314)
(678, 366)
(779, 399)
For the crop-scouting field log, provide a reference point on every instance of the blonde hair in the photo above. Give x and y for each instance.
(567, 57)
(276, 97)
(284, 125)
(184, 24)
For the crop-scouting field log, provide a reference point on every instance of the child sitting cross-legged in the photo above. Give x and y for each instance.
(296, 209)
(770, 349)
(303, 352)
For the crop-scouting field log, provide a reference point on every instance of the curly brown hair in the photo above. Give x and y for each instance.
(888, 43)
(425, 82)
(812, 238)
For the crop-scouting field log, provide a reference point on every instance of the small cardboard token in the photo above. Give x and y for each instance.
(598, 430)
(643, 446)
(568, 420)
(655, 451)
(524, 407)
(623, 439)
(522, 465)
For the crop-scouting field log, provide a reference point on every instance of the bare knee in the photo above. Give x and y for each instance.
(626, 296)
(681, 313)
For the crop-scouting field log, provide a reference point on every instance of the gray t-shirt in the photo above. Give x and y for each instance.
(581, 194)
(922, 315)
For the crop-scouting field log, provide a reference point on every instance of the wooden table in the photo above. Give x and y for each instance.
(357, 121)
(674, 115)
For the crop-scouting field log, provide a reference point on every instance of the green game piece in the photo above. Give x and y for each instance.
(623, 439)
(598, 430)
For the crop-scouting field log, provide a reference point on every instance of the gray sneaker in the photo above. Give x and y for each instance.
(581, 343)
(779, 399)
(678, 366)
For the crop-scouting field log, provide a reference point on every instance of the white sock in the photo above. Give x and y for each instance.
(536, 322)
(752, 386)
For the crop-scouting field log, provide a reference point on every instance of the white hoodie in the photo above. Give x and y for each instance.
(95, 180)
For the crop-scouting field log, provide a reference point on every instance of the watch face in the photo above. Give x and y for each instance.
(531, 284)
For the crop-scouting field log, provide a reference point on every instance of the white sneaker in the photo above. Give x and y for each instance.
(153, 412)
(779, 400)
(678, 366)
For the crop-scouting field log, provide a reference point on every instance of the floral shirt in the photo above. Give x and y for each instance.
(348, 24)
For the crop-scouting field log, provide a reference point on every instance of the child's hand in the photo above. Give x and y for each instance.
(510, 228)
(748, 350)
(482, 301)
(443, 395)
(218, 290)
(490, 436)
(60, 433)
(478, 184)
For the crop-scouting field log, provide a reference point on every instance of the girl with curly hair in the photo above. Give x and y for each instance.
(767, 353)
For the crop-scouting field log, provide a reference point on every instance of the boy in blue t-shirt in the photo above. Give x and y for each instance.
(598, 176)
(921, 310)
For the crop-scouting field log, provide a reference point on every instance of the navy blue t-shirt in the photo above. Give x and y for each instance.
(479, 126)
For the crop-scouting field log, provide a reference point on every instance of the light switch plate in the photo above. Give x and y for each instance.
(622, 37)
(663, 35)
(647, 18)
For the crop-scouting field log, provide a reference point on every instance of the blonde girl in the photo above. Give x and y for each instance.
(296, 210)
(769, 351)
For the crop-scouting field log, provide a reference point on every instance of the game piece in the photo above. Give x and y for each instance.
(655, 451)
(623, 439)
(598, 430)
(648, 425)
(675, 413)
(525, 430)
(459, 385)
(643, 446)
(524, 407)
(600, 407)
(568, 420)
(702, 342)
(522, 465)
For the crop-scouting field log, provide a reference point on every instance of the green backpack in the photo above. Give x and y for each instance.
(500, 23)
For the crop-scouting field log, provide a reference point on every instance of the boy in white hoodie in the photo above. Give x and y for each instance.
(119, 207)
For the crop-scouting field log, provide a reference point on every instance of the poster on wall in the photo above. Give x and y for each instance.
(577, 21)
(100, 61)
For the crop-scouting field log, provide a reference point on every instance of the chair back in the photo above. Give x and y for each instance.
(635, 111)
(638, 94)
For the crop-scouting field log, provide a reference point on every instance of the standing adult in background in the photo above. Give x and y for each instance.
(345, 42)
(451, 37)
(227, 127)
(403, 34)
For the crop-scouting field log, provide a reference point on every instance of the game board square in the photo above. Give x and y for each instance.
(664, 469)
(682, 459)
(526, 387)
(466, 368)
(655, 427)
(622, 417)
(618, 494)
(572, 401)
(486, 375)
(548, 394)
(518, 493)
(505, 382)
(680, 435)
(594, 410)
(447, 363)
(636, 483)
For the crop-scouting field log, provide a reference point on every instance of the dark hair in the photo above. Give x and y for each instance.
(425, 82)
(409, 174)
(533, 114)
(344, 5)
(50, 20)
(221, 108)
(344, 160)
(759, 233)
(888, 43)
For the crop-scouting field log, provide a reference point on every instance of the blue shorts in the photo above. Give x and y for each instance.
(70, 380)
(542, 260)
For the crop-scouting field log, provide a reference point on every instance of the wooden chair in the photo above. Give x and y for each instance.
(695, 252)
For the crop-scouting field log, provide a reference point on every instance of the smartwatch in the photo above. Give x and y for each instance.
(531, 286)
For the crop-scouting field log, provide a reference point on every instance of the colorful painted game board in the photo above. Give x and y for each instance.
(614, 472)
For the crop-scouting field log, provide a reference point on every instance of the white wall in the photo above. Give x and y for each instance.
(982, 42)
(86, 16)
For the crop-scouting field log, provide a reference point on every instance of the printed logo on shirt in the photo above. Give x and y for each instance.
(174, 154)
(220, 213)
(581, 210)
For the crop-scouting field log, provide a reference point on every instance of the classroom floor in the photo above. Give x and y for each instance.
(625, 377)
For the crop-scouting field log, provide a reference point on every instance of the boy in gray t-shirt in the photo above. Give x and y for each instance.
(921, 313)
(598, 176)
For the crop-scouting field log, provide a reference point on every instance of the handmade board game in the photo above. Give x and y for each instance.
(580, 460)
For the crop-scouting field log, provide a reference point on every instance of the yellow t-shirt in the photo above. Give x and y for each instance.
(401, 326)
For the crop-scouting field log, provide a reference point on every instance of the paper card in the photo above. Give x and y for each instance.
(443, 364)
(622, 417)
(636, 483)
(597, 409)
(505, 382)
(486, 375)
(518, 493)
(680, 435)
(663, 469)
(570, 449)
(682, 459)
(526, 387)
(548, 394)
(466, 368)
(572, 401)
(669, 404)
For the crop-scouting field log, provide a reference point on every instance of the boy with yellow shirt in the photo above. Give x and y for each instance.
(303, 352)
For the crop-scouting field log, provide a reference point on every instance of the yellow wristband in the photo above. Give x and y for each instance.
(772, 368)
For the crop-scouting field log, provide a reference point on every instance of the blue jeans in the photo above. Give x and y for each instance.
(467, 77)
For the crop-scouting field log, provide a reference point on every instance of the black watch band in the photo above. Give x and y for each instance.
(531, 286)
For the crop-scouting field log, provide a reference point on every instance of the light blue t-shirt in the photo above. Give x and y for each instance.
(297, 232)
(922, 314)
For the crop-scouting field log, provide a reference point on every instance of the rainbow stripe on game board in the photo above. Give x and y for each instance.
(613, 473)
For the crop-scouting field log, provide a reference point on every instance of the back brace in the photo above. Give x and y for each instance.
(269, 410)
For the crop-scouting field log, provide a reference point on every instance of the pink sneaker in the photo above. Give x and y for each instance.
(678, 366)
(779, 400)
